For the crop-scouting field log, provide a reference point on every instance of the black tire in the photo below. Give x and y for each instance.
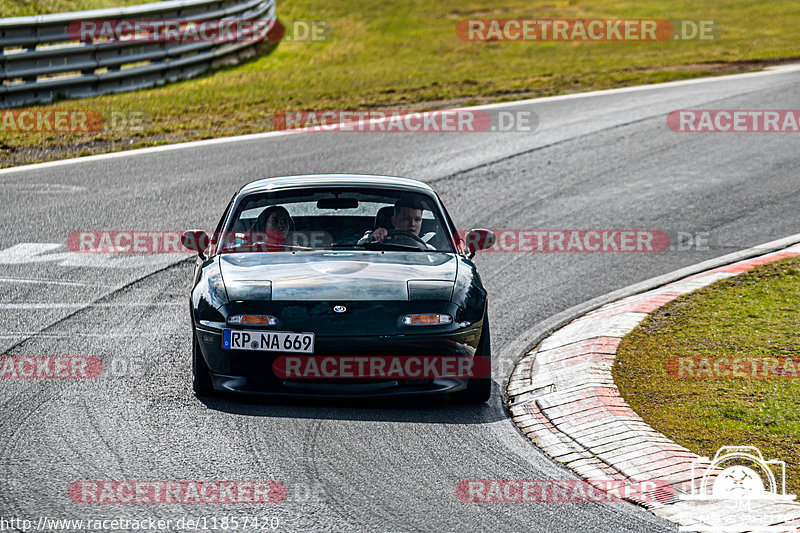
(478, 390)
(201, 382)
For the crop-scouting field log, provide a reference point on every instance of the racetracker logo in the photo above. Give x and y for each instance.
(381, 367)
(693, 367)
(131, 242)
(75, 121)
(177, 492)
(734, 120)
(169, 242)
(515, 240)
(405, 121)
(636, 30)
(39, 120)
(39, 367)
(561, 491)
(754, 489)
(199, 31)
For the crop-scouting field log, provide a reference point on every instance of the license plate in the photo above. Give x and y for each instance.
(268, 341)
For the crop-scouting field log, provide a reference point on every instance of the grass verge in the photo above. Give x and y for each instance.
(751, 316)
(407, 55)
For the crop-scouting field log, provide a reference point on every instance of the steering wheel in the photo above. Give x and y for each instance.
(402, 235)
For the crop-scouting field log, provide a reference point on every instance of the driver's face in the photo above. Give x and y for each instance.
(278, 222)
(408, 219)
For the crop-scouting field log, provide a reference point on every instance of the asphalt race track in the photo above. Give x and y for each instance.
(605, 161)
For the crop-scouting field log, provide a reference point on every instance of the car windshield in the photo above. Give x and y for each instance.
(336, 218)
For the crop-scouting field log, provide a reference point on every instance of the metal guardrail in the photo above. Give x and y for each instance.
(40, 62)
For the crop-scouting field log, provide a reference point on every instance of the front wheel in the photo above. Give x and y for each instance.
(478, 389)
(201, 383)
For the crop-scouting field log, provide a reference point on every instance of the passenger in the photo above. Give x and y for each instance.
(274, 226)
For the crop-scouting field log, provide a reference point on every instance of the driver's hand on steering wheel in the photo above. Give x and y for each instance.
(379, 234)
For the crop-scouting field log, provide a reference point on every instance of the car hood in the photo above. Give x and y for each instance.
(342, 275)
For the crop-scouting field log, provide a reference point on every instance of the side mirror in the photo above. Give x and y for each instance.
(196, 240)
(478, 239)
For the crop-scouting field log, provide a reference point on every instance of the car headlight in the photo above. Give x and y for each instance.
(249, 290)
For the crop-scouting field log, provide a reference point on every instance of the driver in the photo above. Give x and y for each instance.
(407, 216)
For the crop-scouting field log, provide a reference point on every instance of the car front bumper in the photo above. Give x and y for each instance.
(251, 372)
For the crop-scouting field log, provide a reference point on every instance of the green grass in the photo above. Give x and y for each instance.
(753, 315)
(407, 55)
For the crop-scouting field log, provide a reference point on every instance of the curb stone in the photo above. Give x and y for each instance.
(562, 396)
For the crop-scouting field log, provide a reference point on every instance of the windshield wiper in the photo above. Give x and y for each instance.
(262, 246)
(378, 245)
(383, 245)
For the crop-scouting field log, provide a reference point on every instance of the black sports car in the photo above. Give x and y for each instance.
(349, 286)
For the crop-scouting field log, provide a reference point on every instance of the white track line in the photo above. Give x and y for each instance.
(84, 305)
(52, 282)
(28, 334)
